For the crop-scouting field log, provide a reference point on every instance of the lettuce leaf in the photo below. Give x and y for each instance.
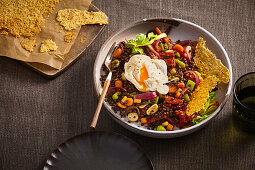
(143, 40)
(210, 101)
(210, 106)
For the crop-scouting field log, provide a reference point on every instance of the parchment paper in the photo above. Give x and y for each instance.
(10, 46)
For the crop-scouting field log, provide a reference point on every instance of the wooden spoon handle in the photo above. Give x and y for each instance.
(101, 101)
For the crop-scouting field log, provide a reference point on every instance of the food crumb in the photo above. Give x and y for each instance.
(82, 40)
(69, 36)
(48, 45)
(28, 44)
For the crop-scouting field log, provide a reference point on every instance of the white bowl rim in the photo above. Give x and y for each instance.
(181, 131)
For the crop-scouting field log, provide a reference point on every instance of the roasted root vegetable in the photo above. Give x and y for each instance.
(117, 53)
(172, 89)
(177, 94)
(165, 123)
(178, 48)
(127, 101)
(137, 100)
(118, 83)
(181, 85)
(143, 120)
(166, 39)
(169, 127)
(121, 105)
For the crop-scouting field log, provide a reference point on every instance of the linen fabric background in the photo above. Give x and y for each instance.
(37, 114)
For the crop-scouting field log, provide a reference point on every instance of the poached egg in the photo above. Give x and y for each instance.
(147, 74)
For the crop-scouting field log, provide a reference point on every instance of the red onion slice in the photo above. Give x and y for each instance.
(187, 51)
(196, 77)
(184, 43)
(152, 49)
(184, 90)
(113, 89)
(146, 96)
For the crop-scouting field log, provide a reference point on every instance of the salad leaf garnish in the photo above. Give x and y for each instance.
(143, 40)
(210, 106)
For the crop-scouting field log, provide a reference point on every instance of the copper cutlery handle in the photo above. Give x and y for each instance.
(101, 101)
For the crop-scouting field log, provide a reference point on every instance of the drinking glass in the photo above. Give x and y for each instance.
(244, 102)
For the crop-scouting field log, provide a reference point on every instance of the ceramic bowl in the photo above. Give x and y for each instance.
(180, 30)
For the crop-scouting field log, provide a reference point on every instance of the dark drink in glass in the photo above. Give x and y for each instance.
(244, 102)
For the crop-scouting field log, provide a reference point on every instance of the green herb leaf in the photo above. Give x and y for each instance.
(210, 106)
(142, 40)
(198, 119)
(136, 50)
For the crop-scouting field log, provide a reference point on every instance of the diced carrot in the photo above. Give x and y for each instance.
(118, 83)
(124, 99)
(165, 123)
(166, 39)
(117, 53)
(181, 85)
(158, 30)
(177, 94)
(129, 101)
(173, 71)
(172, 89)
(178, 48)
(179, 90)
(143, 120)
(169, 127)
(137, 100)
(121, 105)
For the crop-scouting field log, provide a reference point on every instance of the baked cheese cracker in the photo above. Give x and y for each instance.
(201, 94)
(24, 17)
(69, 36)
(208, 65)
(28, 44)
(73, 18)
(48, 45)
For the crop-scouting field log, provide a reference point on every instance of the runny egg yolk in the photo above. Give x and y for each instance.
(143, 76)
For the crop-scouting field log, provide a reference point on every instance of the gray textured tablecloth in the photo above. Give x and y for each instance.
(37, 114)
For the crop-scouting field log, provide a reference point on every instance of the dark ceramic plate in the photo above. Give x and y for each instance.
(98, 151)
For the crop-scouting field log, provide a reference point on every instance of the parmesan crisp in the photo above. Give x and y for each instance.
(69, 36)
(73, 18)
(24, 17)
(3, 32)
(48, 45)
(28, 44)
(201, 94)
(208, 65)
(212, 70)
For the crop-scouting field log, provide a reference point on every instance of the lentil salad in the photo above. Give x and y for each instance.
(162, 112)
